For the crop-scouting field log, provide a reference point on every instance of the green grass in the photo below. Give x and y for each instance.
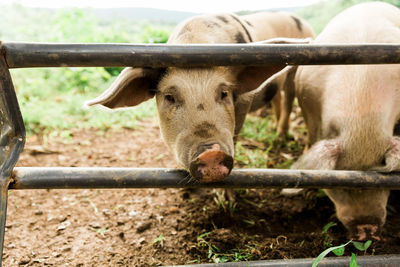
(216, 255)
(53, 99)
(259, 147)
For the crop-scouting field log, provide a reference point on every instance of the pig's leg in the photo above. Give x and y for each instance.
(276, 105)
(362, 212)
(286, 103)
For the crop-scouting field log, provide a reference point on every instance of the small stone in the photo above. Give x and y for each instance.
(63, 225)
(121, 220)
(107, 212)
(66, 249)
(95, 225)
(24, 260)
(56, 254)
(160, 218)
(143, 227)
(173, 209)
(140, 242)
(132, 213)
(38, 212)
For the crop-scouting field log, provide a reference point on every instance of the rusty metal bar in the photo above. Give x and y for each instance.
(26, 55)
(12, 140)
(364, 261)
(76, 177)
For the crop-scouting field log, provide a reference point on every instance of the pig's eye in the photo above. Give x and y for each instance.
(224, 94)
(170, 99)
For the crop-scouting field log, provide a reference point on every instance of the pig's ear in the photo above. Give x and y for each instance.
(391, 160)
(267, 90)
(132, 87)
(250, 78)
(323, 155)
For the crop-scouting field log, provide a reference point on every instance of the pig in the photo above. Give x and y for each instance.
(201, 110)
(350, 112)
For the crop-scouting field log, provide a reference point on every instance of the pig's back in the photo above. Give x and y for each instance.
(374, 22)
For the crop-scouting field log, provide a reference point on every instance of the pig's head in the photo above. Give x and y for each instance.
(357, 141)
(362, 211)
(196, 109)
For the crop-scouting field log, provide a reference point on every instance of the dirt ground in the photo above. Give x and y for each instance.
(151, 227)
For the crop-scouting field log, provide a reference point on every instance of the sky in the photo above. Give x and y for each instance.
(198, 6)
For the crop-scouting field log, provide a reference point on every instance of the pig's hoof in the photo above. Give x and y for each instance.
(364, 232)
(212, 165)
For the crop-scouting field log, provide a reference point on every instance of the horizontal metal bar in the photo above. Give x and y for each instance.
(75, 177)
(26, 55)
(365, 261)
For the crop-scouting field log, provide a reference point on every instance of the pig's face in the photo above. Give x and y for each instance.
(197, 119)
(198, 110)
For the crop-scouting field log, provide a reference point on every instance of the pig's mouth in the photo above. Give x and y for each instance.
(212, 165)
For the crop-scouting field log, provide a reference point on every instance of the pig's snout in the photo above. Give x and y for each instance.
(212, 165)
(365, 229)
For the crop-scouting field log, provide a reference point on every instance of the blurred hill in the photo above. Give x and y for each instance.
(149, 14)
(319, 14)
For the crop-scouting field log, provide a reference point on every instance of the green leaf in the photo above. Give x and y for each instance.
(339, 251)
(223, 259)
(326, 252)
(362, 246)
(210, 252)
(202, 236)
(327, 227)
(353, 261)
(367, 244)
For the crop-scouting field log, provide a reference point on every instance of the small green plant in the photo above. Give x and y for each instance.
(100, 231)
(327, 227)
(327, 239)
(362, 246)
(339, 251)
(159, 241)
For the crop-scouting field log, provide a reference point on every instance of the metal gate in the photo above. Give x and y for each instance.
(28, 55)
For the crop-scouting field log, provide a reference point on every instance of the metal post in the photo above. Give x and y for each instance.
(12, 140)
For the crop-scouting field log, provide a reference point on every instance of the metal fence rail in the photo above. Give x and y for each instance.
(76, 177)
(364, 261)
(26, 55)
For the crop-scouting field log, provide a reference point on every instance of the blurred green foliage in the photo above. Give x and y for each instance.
(54, 98)
(318, 15)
